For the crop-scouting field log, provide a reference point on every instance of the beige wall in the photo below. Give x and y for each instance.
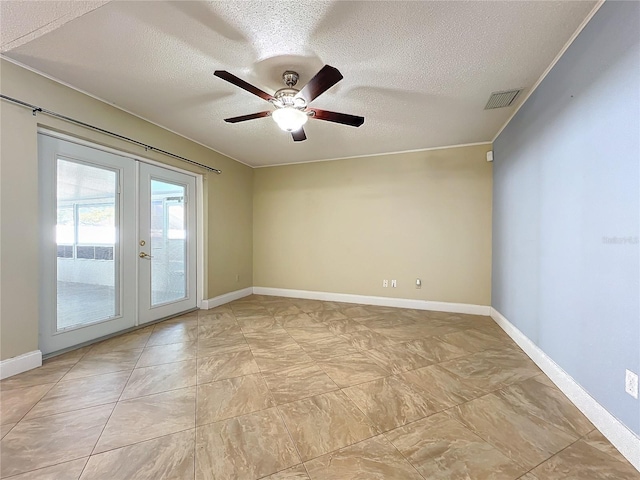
(344, 226)
(228, 197)
(339, 226)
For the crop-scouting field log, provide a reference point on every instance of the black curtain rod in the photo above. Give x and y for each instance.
(35, 109)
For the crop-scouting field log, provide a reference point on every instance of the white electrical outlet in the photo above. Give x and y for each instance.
(394, 284)
(631, 384)
(418, 283)
(385, 283)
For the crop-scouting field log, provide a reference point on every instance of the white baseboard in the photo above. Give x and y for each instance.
(225, 298)
(627, 442)
(19, 364)
(381, 301)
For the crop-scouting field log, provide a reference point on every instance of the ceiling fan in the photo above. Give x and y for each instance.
(292, 110)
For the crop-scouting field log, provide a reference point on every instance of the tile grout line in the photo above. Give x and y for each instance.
(34, 405)
(384, 433)
(195, 401)
(487, 393)
(403, 456)
(584, 438)
(54, 384)
(502, 386)
(551, 456)
(491, 443)
(113, 410)
(354, 385)
(59, 413)
(381, 433)
(311, 396)
(138, 442)
(142, 396)
(276, 407)
(476, 434)
(49, 466)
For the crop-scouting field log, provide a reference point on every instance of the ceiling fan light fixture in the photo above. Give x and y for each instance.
(291, 111)
(289, 119)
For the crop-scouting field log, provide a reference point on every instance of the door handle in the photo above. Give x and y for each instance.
(145, 255)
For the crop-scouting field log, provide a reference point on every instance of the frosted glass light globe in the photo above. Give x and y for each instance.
(289, 119)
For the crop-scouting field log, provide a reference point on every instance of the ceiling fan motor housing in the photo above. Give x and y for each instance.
(286, 97)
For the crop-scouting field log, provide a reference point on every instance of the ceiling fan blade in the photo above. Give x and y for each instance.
(343, 118)
(244, 118)
(326, 78)
(299, 135)
(238, 82)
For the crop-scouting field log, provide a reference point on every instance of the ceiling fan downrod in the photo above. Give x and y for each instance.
(290, 78)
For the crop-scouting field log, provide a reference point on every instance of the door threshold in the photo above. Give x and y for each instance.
(116, 334)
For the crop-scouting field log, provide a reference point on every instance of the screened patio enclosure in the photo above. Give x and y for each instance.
(87, 238)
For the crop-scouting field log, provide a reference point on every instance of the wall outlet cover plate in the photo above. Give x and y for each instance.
(631, 384)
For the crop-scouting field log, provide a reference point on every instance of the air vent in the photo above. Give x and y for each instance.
(502, 99)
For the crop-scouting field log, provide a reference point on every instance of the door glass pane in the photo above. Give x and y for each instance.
(168, 243)
(85, 234)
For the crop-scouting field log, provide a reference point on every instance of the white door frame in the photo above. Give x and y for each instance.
(199, 194)
(200, 274)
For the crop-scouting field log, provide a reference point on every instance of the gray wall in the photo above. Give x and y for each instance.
(567, 209)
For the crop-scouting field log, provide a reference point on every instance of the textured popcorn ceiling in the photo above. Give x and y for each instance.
(419, 72)
(25, 20)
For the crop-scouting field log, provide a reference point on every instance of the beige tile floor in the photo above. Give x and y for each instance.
(267, 387)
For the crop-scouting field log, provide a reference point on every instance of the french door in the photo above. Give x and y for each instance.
(118, 243)
(166, 244)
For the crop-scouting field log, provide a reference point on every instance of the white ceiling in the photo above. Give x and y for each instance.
(419, 72)
(23, 21)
